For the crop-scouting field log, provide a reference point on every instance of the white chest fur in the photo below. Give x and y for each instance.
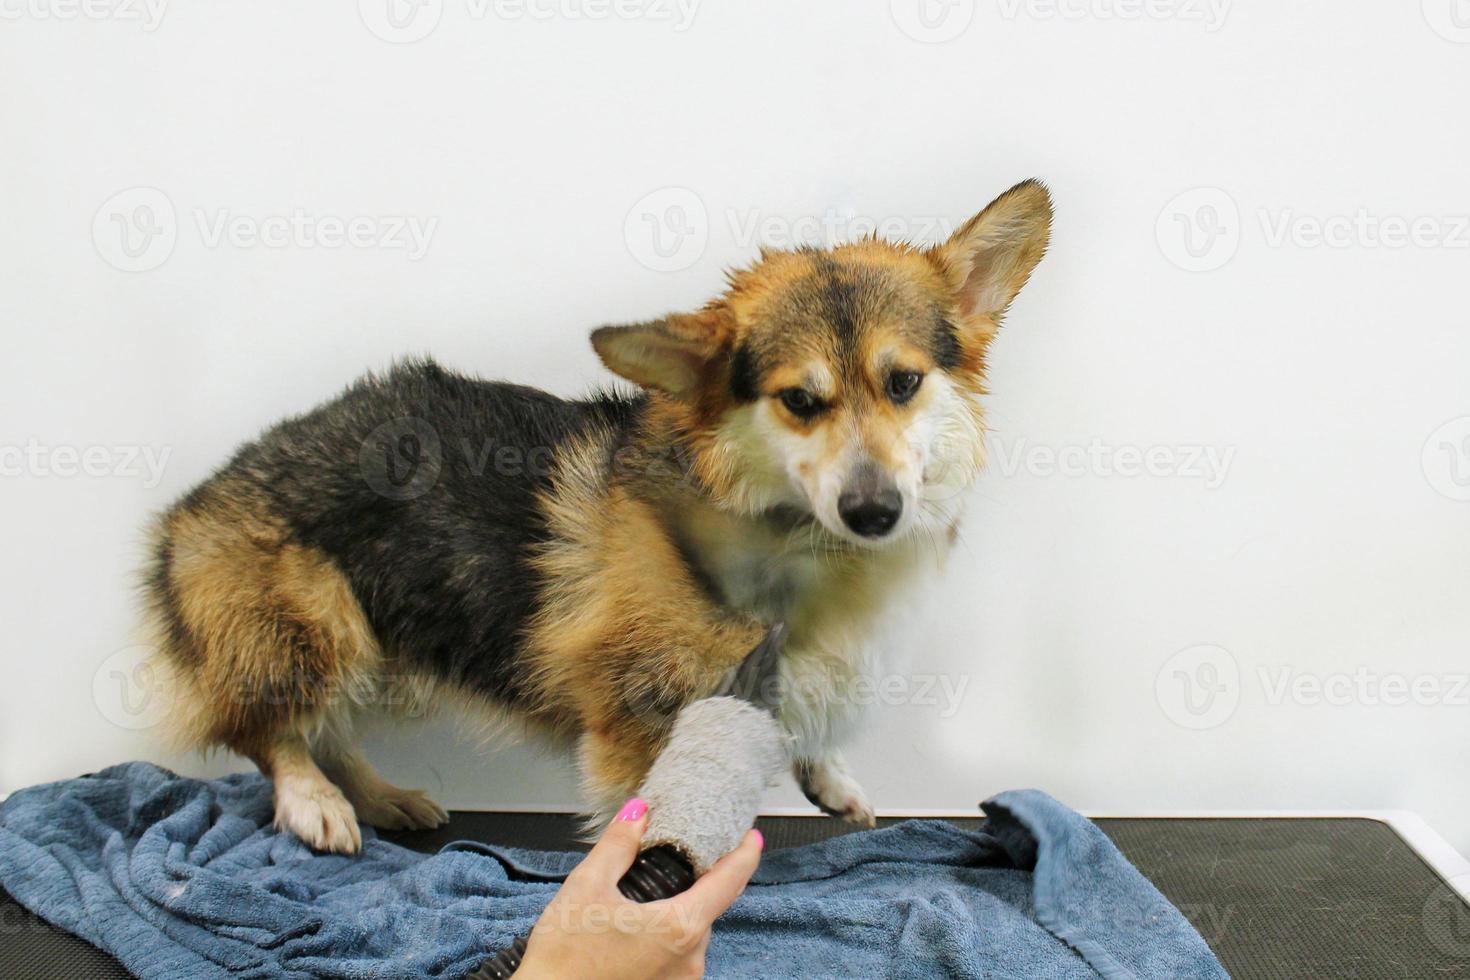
(830, 597)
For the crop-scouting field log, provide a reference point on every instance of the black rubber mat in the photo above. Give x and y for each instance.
(32, 949)
(1274, 898)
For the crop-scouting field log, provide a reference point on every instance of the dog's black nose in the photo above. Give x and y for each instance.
(871, 515)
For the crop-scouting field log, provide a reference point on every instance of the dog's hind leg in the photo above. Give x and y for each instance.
(377, 801)
(267, 644)
(307, 804)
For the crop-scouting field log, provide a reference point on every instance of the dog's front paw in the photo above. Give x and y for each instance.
(855, 808)
(829, 786)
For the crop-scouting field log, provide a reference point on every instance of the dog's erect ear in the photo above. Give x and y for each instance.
(990, 257)
(670, 355)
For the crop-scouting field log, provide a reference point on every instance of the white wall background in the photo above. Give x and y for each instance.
(1334, 546)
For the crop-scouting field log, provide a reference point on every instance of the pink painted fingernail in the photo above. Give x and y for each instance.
(634, 809)
(760, 839)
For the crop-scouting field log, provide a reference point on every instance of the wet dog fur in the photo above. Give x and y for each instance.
(796, 451)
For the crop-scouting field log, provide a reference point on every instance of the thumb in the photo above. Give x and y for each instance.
(723, 883)
(613, 854)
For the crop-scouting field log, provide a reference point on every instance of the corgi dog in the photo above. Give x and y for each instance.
(793, 453)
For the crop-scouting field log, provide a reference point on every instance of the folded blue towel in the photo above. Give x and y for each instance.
(183, 878)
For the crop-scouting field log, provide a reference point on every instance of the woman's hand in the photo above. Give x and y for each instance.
(591, 932)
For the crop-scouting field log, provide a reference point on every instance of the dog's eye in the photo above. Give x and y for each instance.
(903, 384)
(800, 402)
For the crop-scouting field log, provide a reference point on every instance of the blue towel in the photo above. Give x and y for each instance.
(183, 878)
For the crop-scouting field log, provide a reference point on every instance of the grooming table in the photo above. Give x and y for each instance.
(1279, 897)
